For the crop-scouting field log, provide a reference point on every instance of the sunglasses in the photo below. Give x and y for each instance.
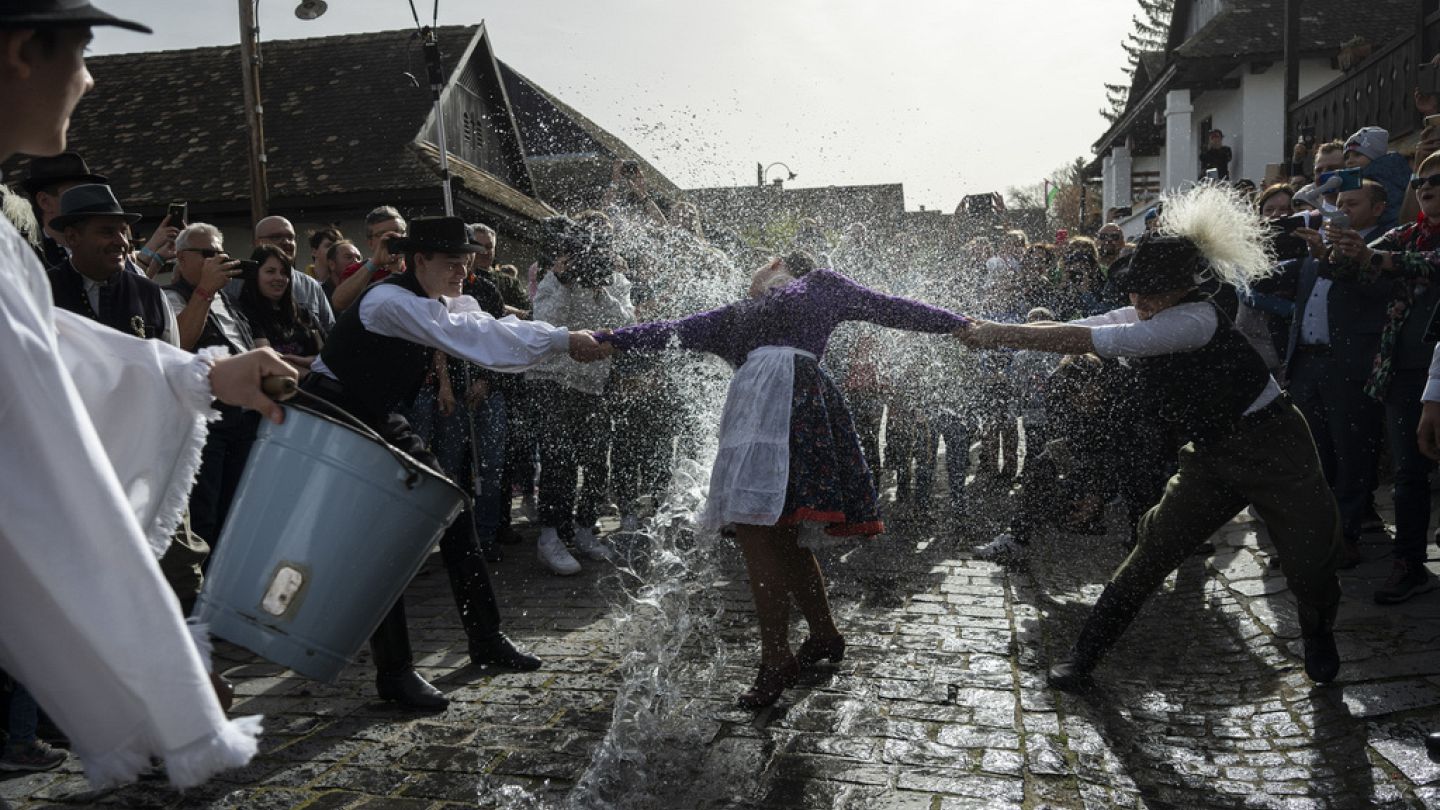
(207, 253)
(1420, 182)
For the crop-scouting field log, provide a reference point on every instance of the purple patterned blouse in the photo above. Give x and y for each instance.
(801, 314)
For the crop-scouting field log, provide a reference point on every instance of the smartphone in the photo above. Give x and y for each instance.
(247, 267)
(1337, 219)
(1304, 219)
(630, 168)
(178, 214)
(1350, 179)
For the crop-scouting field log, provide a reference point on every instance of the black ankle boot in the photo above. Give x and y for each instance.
(1107, 621)
(1070, 677)
(395, 676)
(410, 690)
(499, 651)
(1317, 631)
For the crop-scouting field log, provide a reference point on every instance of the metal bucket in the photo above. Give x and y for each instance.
(328, 527)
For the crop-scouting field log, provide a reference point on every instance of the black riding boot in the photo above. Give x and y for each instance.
(1112, 614)
(1317, 629)
(395, 676)
(475, 598)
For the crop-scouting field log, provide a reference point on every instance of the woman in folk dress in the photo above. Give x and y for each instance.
(789, 454)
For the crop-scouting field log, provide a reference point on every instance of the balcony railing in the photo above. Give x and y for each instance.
(1377, 92)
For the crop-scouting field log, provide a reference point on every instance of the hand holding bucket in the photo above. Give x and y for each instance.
(329, 524)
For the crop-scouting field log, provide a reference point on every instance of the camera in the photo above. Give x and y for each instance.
(1287, 245)
(630, 168)
(248, 267)
(590, 258)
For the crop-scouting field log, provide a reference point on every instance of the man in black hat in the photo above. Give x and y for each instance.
(89, 625)
(1246, 442)
(92, 281)
(47, 179)
(373, 365)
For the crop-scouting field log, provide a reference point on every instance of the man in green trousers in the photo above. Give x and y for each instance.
(1246, 443)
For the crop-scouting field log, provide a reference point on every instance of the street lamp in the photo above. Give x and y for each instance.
(760, 172)
(254, 110)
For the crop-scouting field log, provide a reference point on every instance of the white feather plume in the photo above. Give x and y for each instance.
(1224, 225)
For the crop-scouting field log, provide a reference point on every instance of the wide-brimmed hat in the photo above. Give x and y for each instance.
(1158, 264)
(60, 14)
(435, 235)
(89, 200)
(65, 167)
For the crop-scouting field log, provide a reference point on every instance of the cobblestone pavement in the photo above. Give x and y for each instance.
(940, 702)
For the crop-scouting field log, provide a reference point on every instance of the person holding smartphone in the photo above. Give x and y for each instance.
(208, 318)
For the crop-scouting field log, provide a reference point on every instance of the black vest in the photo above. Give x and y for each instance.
(128, 303)
(380, 374)
(1202, 393)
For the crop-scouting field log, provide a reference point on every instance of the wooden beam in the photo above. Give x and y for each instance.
(1292, 72)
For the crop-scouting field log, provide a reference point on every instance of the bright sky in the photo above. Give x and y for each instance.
(949, 97)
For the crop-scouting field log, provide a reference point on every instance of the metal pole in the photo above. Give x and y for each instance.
(437, 84)
(254, 112)
(1292, 78)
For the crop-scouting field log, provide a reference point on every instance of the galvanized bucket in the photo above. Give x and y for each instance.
(327, 528)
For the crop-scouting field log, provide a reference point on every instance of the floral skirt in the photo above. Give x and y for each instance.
(830, 482)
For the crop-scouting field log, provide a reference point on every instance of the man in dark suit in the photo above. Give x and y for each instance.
(1334, 338)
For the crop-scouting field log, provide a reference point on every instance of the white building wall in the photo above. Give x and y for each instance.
(1263, 115)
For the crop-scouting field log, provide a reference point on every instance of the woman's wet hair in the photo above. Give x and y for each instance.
(799, 263)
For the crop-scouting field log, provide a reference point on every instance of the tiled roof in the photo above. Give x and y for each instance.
(1257, 27)
(556, 133)
(340, 116)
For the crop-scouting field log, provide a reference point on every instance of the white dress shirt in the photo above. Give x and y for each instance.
(458, 327)
(1180, 328)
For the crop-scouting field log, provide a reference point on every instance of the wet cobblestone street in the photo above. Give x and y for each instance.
(940, 702)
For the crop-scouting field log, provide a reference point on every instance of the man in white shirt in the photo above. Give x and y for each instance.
(1247, 443)
(372, 366)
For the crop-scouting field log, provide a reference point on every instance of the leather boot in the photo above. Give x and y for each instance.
(475, 598)
(1112, 614)
(395, 677)
(1317, 631)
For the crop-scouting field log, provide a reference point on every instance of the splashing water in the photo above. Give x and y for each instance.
(665, 608)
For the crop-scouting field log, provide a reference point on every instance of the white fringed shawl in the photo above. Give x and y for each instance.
(102, 436)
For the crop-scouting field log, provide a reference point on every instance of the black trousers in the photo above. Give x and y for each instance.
(223, 459)
(459, 548)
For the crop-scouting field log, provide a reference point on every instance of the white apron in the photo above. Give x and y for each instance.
(752, 466)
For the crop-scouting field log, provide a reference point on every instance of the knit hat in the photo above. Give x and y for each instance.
(1372, 142)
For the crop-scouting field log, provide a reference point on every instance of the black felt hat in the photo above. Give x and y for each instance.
(89, 200)
(65, 167)
(435, 235)
(60, 14)
(1159, 264)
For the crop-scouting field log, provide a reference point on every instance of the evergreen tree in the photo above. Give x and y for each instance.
(1150, 29)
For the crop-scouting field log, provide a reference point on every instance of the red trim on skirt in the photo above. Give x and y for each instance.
(838, 527)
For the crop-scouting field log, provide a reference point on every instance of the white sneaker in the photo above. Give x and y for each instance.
(1004, 548)
(588, 544)
(527, 507)
(629, 524)
(552, 552)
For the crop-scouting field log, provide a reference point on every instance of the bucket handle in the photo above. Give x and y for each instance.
(283, 388)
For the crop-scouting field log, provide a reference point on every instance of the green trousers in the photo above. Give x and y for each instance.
(1270, 463)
